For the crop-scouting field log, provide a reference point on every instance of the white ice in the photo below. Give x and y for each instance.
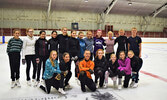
(150, 88)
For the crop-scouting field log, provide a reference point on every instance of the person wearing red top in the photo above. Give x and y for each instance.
(86, 67)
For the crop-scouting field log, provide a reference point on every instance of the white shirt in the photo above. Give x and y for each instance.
(28, 46)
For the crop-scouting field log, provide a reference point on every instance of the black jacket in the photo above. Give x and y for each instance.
(64, 66)
(53, 44)
(62, 40)
(136, 63)
(100, 64)
(113, 67)
(41, 48)
(122, 43)
(73, 47)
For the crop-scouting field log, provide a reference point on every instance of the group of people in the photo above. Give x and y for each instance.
(88, 53)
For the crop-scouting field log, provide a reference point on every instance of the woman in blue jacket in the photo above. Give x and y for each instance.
(52, 74)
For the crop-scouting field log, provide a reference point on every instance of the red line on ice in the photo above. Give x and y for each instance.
(155, 76)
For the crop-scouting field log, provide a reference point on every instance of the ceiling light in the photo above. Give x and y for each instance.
(130, 3)
(86, 0)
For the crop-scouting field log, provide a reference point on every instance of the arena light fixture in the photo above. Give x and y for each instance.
(129, 2)
(86, 0)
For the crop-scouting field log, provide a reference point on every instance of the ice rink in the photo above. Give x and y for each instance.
(152, 84)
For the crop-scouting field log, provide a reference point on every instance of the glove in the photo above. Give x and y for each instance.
(111, 73)
(91, 71)
(37, 60)
(99, 73)
(121, 72)
(76, 57)
(72, 58)
(23, 61)
(65, 73)
(82, 73)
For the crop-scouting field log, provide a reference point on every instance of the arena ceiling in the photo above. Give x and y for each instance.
(128, 7)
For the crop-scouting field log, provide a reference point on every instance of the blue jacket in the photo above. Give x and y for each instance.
(50, 70)
(82, 47)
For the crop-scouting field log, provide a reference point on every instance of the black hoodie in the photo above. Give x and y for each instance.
(136, 63)
(53, 44)
(41, 48)
(73, 47)
(113, 66)
(64, 66)
(62, 40)
(100, 64)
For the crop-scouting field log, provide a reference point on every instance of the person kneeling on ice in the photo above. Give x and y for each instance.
(65, 71)
(112, 71)
(86, 67)
(52, 75)
(124, 69)
(100, 67)
(136, 64)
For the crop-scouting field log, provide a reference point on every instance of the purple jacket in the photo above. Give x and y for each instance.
(125, 66)
(98, 44)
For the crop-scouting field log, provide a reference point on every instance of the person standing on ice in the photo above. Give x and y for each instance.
(134, 42)
(109, 45)
(51, 74)
(82, 45)
(13, 49)
(53, 42)
(74, 49)
(89, 43)
(99, 41)
(42, 53)
(122, 43)
(63, 40)
(29, 55)
(86, 67)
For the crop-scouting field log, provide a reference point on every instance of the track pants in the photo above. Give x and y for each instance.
(14, 61)
(29, 59)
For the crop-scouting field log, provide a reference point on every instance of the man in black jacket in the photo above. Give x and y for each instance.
(63, 40)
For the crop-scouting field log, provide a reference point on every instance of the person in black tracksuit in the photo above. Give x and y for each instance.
(41, 52)
(136, 64)
(74, 49)
(100, 67)
(62, 40)
(53, 42)
(122, 43)
(65, 71)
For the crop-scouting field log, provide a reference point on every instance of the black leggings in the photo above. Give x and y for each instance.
(14, 60)
(126, 81)
(50, 82)
(135, 76)
(29, 59)
(88, 82)
(42, 62)
(65, 79)
(101, 79)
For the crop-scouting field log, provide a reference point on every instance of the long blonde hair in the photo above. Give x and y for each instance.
(50, 58)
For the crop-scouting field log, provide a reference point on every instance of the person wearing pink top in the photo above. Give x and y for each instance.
(124, 69)
(109, 45)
